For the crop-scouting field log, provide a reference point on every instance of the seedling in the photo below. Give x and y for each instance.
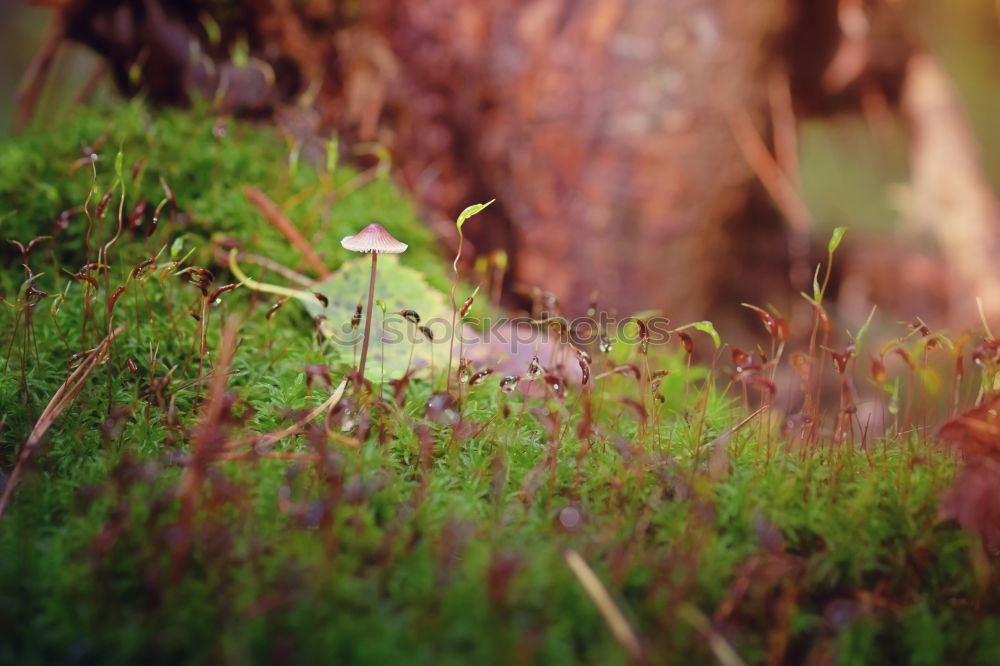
(459, 223)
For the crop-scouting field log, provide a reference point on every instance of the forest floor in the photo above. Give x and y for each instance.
(191, 478)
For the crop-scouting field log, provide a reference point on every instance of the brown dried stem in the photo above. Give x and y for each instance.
(59, 402)
(278, 220)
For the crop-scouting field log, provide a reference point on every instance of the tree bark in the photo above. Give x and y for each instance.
(641, 150)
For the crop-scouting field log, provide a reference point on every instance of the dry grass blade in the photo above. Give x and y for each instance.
(605, 604)
(724, 438)
(60, 401)
(721, 648)
(272, 437)
(779, 186)
(278, 220)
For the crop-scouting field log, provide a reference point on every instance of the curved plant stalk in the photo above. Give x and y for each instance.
(275, 435)
(250, 283)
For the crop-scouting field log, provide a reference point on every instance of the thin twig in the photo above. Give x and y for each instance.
(779, 186)
(717, 643)
(33, 81)
(592, 585)
(278, 220)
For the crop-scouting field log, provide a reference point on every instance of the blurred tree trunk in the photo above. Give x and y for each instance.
(601, 127)
(641, 149)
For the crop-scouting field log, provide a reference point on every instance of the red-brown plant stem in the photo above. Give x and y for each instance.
(208, 438)
(368, 324)
(277, 219)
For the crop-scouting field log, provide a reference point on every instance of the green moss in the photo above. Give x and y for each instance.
(395, 550)
(206, 162)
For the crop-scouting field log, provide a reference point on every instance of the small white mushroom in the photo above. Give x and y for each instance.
(376, 240)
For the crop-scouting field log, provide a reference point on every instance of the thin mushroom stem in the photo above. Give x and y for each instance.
(368, 323)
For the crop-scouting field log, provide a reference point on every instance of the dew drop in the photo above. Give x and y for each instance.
(605, 345)
(570, 518)
(440, 408)
(556, 384)
(478, 378)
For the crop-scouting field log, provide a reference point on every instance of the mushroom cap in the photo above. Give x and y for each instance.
(373, 238)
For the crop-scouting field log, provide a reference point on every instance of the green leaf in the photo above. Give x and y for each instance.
(392, 337)
(27, 283)
(838, 235)
(177, 246)
(863, 331)
(470, 211)
(212, 30)
(646, 314)
(239, 54)
(817, 291)
(706, 327)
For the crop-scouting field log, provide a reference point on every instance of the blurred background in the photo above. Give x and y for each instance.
(682, 155)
